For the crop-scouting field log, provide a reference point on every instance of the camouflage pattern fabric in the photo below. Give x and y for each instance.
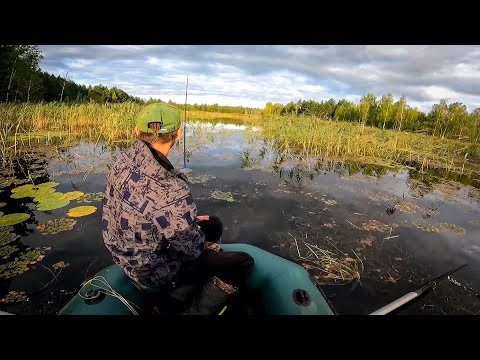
(149, 218)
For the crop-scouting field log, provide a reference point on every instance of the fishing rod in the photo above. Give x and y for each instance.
(413, 294)
(185, 133)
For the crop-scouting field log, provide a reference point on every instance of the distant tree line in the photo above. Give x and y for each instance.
(445, 120)
(213, 108)
(21, 80)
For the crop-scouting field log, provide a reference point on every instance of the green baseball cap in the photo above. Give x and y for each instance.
(168, 116)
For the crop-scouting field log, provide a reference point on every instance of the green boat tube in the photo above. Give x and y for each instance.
(283, 287)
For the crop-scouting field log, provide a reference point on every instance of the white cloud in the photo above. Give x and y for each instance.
(253, 75)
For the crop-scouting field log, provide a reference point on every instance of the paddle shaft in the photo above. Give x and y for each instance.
(412, 295)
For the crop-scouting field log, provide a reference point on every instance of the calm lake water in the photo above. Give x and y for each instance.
(369, 217)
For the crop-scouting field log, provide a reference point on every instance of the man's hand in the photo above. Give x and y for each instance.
(203, 218)
(212, 246)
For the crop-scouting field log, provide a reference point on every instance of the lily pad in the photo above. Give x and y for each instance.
(52, 204)
(48, 197)
(1, 214)
(50, 184)
(22, 188)
(12, 219)
(56, 226)
(7, 236)
(32, 192)
(72, 195)
(91, 197)
(81, 211)
(6, 251)
(2, 204)
(14, 296)
(220, 195)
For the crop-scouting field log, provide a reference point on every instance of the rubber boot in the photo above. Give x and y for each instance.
(211, 298)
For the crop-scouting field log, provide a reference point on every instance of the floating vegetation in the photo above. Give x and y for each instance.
(1, 213)
(48, 197)
(22, 188)
(329, 225)
(72, 195)
(57, 225)
(31, 256)
(50, 184)
(328, 267)
(58, 173)
(329, 202)
(91, 197)
(6, 251)
(450, 189)
(31, 192)
(429, 213)
(12, 219)
(2, 204)
(201, 179)
(452, 228)
(7, 236)
(418, 189)
(368, 241)
(13, 268)
(81, 211)
(52, 204)
(21, 263)
(406, 207)
(220, 195)
(425, 227)
(60, 265)
(378, 197)
(374, 225)
(14, 296)
(473, 193)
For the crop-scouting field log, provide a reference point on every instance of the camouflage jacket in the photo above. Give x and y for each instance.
(148, 221)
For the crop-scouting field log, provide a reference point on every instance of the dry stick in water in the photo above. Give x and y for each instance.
(355, 226)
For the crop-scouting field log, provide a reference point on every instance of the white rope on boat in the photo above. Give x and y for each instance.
(108, 290)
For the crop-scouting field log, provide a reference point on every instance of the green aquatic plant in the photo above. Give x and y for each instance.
(81, 211)
(48, 197)
(425, 227)
(2, 204)
(6, 251)
(220, 195)
(201, 179)
(31, 256)
(452, 228)
(31, 192)
(57, 225)
(13, 268)
(7, 236)
(91, 197)
(50, 184)
(60, 265)
(72, 195)
(12, 219)
(14, 296)
(52, 204)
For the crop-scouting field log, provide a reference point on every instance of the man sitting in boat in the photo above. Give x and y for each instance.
(150, 222)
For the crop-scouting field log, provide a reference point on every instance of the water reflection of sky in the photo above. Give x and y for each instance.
(275, 195)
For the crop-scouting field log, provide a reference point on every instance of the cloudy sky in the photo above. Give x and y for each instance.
(251, 75)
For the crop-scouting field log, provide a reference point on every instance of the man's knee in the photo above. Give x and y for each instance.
(246, 261)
